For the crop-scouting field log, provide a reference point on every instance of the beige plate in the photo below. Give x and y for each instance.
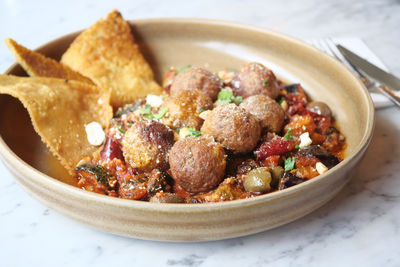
(216, 45)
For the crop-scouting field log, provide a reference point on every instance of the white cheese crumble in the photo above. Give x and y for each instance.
(204, 114)
(154, 100)
(95, 133)
(305, 140)
(183, 132)
(321, 168)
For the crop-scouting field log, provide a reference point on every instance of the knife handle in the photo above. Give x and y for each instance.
(395, 98)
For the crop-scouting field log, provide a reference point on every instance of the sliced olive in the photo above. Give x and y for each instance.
(277, 173)
(258, 180)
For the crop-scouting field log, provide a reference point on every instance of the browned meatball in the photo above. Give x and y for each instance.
(146, 144)
(184, 108)
(197, 78)
(233, 127)
(197, 163)
(266, 110)
(255, 79)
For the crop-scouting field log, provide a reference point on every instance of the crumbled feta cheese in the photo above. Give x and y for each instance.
(154, 100)
(305, 140)
(204, 114)
(183, 133)
(321, 168)
(95, 133)
(284, 105)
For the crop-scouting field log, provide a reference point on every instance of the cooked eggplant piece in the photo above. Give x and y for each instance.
(289, 180)
(292, 88)
(324, 156)
(101, 174)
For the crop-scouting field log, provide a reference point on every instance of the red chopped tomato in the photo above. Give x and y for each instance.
(300, 124)
(276, 146)
(271, 161)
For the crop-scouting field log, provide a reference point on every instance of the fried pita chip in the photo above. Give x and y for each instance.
(36, 64)
(59, 110)
(107, 53)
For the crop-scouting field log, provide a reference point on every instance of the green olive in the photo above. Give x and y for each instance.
(258, 180)
(277, 173)
(166, 198)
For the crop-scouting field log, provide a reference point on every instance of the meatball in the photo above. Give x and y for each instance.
(197, 164)
(146, 144)
(233, 127)
(197, 78)
(184, 108)
(266, 110)
(255, 79)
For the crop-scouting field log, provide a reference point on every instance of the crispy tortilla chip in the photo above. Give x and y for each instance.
(107, 53)
(36, 64)
(59, 110)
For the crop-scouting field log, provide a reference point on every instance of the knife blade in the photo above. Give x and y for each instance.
(370, 69)
(390, 84)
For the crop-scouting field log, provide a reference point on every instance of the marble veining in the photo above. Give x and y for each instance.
(359, 227)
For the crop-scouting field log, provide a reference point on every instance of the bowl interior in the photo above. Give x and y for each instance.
(216, 46)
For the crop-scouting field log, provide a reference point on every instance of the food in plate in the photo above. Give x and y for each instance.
(203, 137)
(204, 151)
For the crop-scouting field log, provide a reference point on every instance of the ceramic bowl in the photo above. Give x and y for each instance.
(215, 45)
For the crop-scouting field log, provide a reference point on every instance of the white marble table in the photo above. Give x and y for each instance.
(359, 227)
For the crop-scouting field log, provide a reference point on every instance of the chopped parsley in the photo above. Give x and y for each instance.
(233, 70)
(289, 164)
(193, 133)
(184, 68)
(161, 113)
(225, 96)
(266, 82)
(297, 147)
(288, 135)
(122, 130)
(280, 101)
(146, 112)
(202, 110)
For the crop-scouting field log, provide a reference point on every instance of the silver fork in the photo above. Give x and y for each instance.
(329, 47)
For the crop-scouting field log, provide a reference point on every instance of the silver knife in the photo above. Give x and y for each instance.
(390, 83)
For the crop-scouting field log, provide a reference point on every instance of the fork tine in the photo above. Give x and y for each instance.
(338, 55)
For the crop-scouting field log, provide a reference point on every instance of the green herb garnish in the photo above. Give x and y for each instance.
(193, 133)
(122, 130)
(184, 68)
(288, 135)
(202, 110)
(161, 113)
(232, 69)
(225, 96)
(280, 101)
(146, 112)
(117, 123)
(266, 82)
(296, 146)
(289, 164)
